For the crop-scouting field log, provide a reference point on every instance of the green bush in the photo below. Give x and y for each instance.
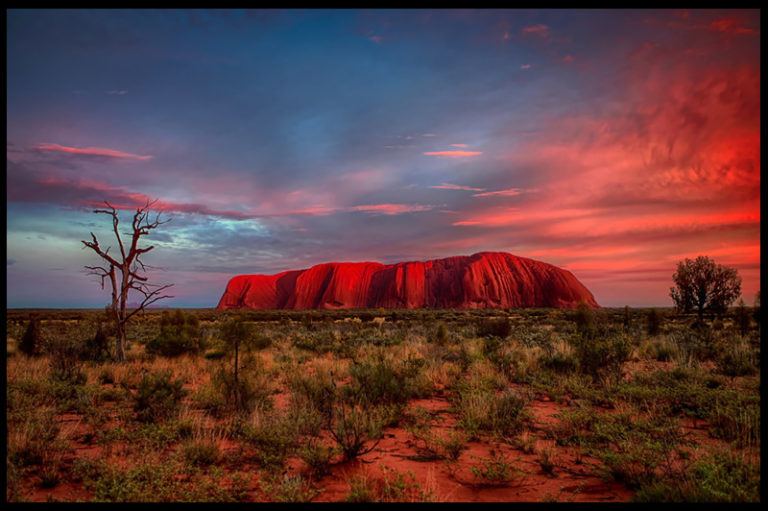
(601, 356)
(157, 396)
(179, 333)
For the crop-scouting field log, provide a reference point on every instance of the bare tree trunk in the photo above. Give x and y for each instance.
(129, 264)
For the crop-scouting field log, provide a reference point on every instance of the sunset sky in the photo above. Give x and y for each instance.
(609, 143)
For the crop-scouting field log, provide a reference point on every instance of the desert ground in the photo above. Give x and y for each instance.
(516, 405)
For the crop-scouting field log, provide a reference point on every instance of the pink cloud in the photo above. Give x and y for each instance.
(458, 145)
(507, 193)
(539, 30)
(449, 186)
(525, 66)
(91, 151)
(454, 154)
(392, 209)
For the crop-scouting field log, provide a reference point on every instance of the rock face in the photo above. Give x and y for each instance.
(483, 280)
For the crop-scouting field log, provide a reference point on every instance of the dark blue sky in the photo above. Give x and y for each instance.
(610, 143)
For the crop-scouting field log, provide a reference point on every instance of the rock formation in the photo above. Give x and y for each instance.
(483, 280)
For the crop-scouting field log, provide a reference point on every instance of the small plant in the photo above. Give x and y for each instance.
(291, 488)
(317, 457)
(493, 472)
(546, 460)
(201, 449)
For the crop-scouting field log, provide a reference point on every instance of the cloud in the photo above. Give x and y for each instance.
(449, 186)
(525, 66)
(454, 154)
(731, 25)
(392, 209)
(90, 151)
(117, 92)
(507, 193)
(458, 145)
(538, 30)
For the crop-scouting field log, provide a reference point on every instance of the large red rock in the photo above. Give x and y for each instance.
(483, 280)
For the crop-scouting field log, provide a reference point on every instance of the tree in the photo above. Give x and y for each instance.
(127, 268)
(701, 285)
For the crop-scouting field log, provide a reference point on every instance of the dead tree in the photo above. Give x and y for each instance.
(127, 268)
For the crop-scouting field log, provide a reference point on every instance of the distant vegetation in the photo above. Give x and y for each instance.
(264, 405)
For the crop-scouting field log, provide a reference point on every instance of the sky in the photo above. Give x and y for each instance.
(611, 143)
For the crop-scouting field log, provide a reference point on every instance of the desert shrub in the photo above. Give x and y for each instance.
(601, 356)
(179, 333)
(495, 471)
(273, 438)
(500, 327)
(482, 410)
(289, 488)
(584, 319)
(560, 362)
(209, 398)
(66, 353)
(384, 382)
(352, 426)
(245, 391)
(627, 319)
(98, 347)
(653, 322)
(157, 396)
(735, 359)
(718, 477)
(441, 334)
(31, 441)
(31, 340)
(201, 449)
(317, 457)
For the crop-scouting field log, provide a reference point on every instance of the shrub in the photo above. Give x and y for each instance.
(601, 356)
(31, 339)
(157, 396)
(244, 392)
(500, 328)
(653, 322)
(66, 353)
(317, 457)
(584, 319)
(179, 333)
(441, 334)
(201, 449)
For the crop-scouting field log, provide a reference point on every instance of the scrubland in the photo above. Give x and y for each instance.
(385, 405)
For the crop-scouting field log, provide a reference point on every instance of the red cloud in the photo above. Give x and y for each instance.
(91, 151)
(729, 25)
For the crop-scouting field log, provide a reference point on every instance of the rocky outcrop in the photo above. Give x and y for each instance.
(483, 280)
